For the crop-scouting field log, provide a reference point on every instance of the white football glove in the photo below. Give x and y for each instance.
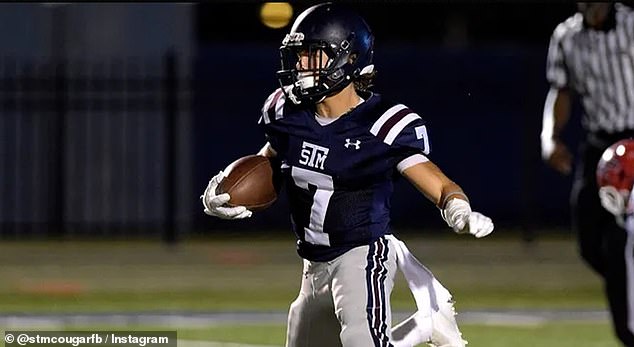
(458, 215)
(614, 202)
(214, 204)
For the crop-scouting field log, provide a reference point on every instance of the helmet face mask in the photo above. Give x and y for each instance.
(327, 48)
(307, 68)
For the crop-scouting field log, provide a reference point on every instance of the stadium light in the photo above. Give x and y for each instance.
(276, 14)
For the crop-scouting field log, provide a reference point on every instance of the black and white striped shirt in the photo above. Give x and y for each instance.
(599, 66)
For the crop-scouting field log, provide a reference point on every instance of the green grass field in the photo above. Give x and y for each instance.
(561, 334)
(236, 274)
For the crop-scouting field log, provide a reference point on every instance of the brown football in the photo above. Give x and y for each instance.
(249, 182)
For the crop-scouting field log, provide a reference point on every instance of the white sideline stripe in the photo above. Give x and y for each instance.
(194, 343)
(59, 321)
(505, 319)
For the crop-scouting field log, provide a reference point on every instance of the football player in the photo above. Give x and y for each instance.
(615, 179)
(339, 147)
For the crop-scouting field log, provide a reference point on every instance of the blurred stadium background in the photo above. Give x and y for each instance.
(115, 115)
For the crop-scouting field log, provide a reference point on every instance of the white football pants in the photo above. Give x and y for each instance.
(346, 302)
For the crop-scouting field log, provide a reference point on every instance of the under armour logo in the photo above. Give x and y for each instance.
(356, 144)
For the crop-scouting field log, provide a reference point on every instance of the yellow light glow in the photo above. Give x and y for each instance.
(276, 14)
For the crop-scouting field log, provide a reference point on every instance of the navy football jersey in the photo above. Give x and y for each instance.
(339, 176)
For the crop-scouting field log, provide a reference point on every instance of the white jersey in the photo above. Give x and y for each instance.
(599, 66)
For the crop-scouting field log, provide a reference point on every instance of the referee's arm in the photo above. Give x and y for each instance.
(555, 118)
(557, 105)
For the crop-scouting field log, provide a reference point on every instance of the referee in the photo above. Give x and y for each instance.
(591, 56)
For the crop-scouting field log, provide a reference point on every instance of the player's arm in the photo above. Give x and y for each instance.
(449, 197)
(432, 182)
(555, 118)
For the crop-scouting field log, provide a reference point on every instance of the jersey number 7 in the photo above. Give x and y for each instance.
(303, 178)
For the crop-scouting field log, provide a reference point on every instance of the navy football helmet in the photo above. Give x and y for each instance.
(339, 33)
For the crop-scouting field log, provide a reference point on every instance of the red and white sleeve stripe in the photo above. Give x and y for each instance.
(392, 122)
(273, 106)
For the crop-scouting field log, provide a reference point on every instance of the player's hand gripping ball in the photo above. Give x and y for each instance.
(247, 185)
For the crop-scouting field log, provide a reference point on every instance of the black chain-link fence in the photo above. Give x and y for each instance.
(89, 147)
